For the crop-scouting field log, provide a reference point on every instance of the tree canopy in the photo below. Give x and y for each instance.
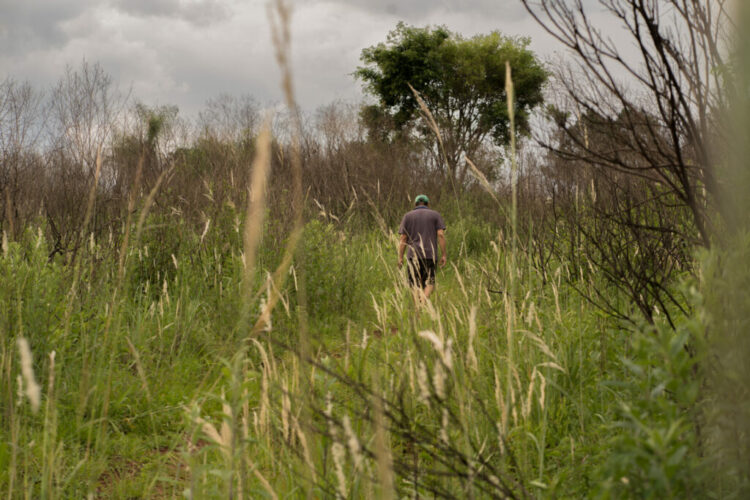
(462, 81)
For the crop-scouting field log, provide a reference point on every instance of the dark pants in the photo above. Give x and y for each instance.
(421, 272)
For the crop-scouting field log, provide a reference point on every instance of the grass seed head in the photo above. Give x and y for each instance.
(424, 386)
(355, 449)
(444, 427)
(438, 380)
(338, 452)
(33, 391)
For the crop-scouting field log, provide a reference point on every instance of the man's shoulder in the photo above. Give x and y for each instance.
(422, 214)
(435, 214)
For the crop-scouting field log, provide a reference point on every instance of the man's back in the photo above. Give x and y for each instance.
(420, 227)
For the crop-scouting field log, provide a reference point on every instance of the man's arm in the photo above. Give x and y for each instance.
(441, 242)
(401, 250)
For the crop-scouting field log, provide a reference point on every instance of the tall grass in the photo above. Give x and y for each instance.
(401, 400)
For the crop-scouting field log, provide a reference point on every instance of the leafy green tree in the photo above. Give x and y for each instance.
(461, 80)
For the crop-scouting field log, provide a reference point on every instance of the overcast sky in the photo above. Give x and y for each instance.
(184, 52)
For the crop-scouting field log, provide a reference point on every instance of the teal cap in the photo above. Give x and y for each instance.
(422, 198)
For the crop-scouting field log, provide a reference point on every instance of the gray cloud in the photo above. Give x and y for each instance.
(185, 52)
(417, 11)
(148, 8)
(27, 25)
(201, 13)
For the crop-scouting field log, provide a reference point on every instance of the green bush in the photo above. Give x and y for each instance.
(653, 450)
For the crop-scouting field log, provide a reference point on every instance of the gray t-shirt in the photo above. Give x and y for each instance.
(420, 227)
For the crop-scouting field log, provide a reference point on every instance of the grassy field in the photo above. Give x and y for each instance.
(143, 378)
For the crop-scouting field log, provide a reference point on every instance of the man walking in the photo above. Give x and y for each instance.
(422, 230)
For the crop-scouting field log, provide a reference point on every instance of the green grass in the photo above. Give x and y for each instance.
(159, 391)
